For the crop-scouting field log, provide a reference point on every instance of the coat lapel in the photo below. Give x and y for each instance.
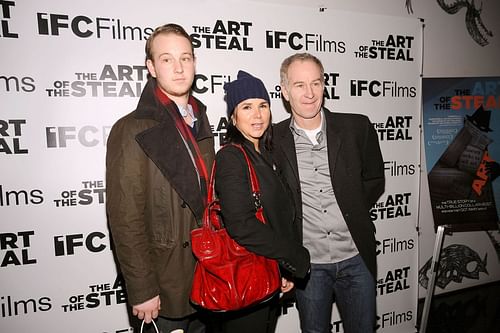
(333, 134)
(164, 146)
(287, 146)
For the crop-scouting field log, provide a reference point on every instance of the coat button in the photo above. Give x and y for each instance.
(185, 244)
(184, 204)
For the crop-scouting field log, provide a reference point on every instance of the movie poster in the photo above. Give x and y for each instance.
(461, 120)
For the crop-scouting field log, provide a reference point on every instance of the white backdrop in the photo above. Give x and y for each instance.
(69, 71)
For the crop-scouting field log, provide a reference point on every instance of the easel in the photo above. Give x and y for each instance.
(441, 231)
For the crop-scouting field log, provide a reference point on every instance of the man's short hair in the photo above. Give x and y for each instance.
(299, 57)
(170, 28)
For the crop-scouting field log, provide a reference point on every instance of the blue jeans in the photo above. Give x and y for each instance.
(350, 285)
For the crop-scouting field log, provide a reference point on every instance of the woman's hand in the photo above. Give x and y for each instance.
(286, 285)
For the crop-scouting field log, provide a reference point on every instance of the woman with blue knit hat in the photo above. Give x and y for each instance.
(249, 125)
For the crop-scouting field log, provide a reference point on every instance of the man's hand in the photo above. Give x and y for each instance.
(286, 285)
(147, 310)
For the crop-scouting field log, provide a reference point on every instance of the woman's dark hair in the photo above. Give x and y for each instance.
(233, 135)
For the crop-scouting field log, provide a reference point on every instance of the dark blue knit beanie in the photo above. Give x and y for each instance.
(244, 87)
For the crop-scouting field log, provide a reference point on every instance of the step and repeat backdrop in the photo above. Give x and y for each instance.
(69, 70)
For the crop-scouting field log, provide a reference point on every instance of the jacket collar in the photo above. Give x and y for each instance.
(149, 107)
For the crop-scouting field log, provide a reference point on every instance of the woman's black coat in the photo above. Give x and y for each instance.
(278, 239)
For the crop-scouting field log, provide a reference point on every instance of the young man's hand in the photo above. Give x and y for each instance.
(148, 310)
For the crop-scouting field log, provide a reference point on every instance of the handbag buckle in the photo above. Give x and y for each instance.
(256, 197)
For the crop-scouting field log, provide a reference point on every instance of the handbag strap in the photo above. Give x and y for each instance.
(254, 184)
(154, 324)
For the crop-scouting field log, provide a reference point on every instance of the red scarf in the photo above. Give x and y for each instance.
(188, 137)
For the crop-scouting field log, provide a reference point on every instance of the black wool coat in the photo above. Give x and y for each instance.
(356, 172)
(278, 238)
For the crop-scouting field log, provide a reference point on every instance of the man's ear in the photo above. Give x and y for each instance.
(151, 68)
(284, 92)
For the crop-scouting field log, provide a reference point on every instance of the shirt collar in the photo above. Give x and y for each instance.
(296, 128)
(184, 111)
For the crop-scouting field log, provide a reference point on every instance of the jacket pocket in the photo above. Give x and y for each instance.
(163, 226)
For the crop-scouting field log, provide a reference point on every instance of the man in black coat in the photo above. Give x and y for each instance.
(334, 166)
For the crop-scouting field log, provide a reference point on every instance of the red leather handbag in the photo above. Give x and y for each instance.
(227, 276)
